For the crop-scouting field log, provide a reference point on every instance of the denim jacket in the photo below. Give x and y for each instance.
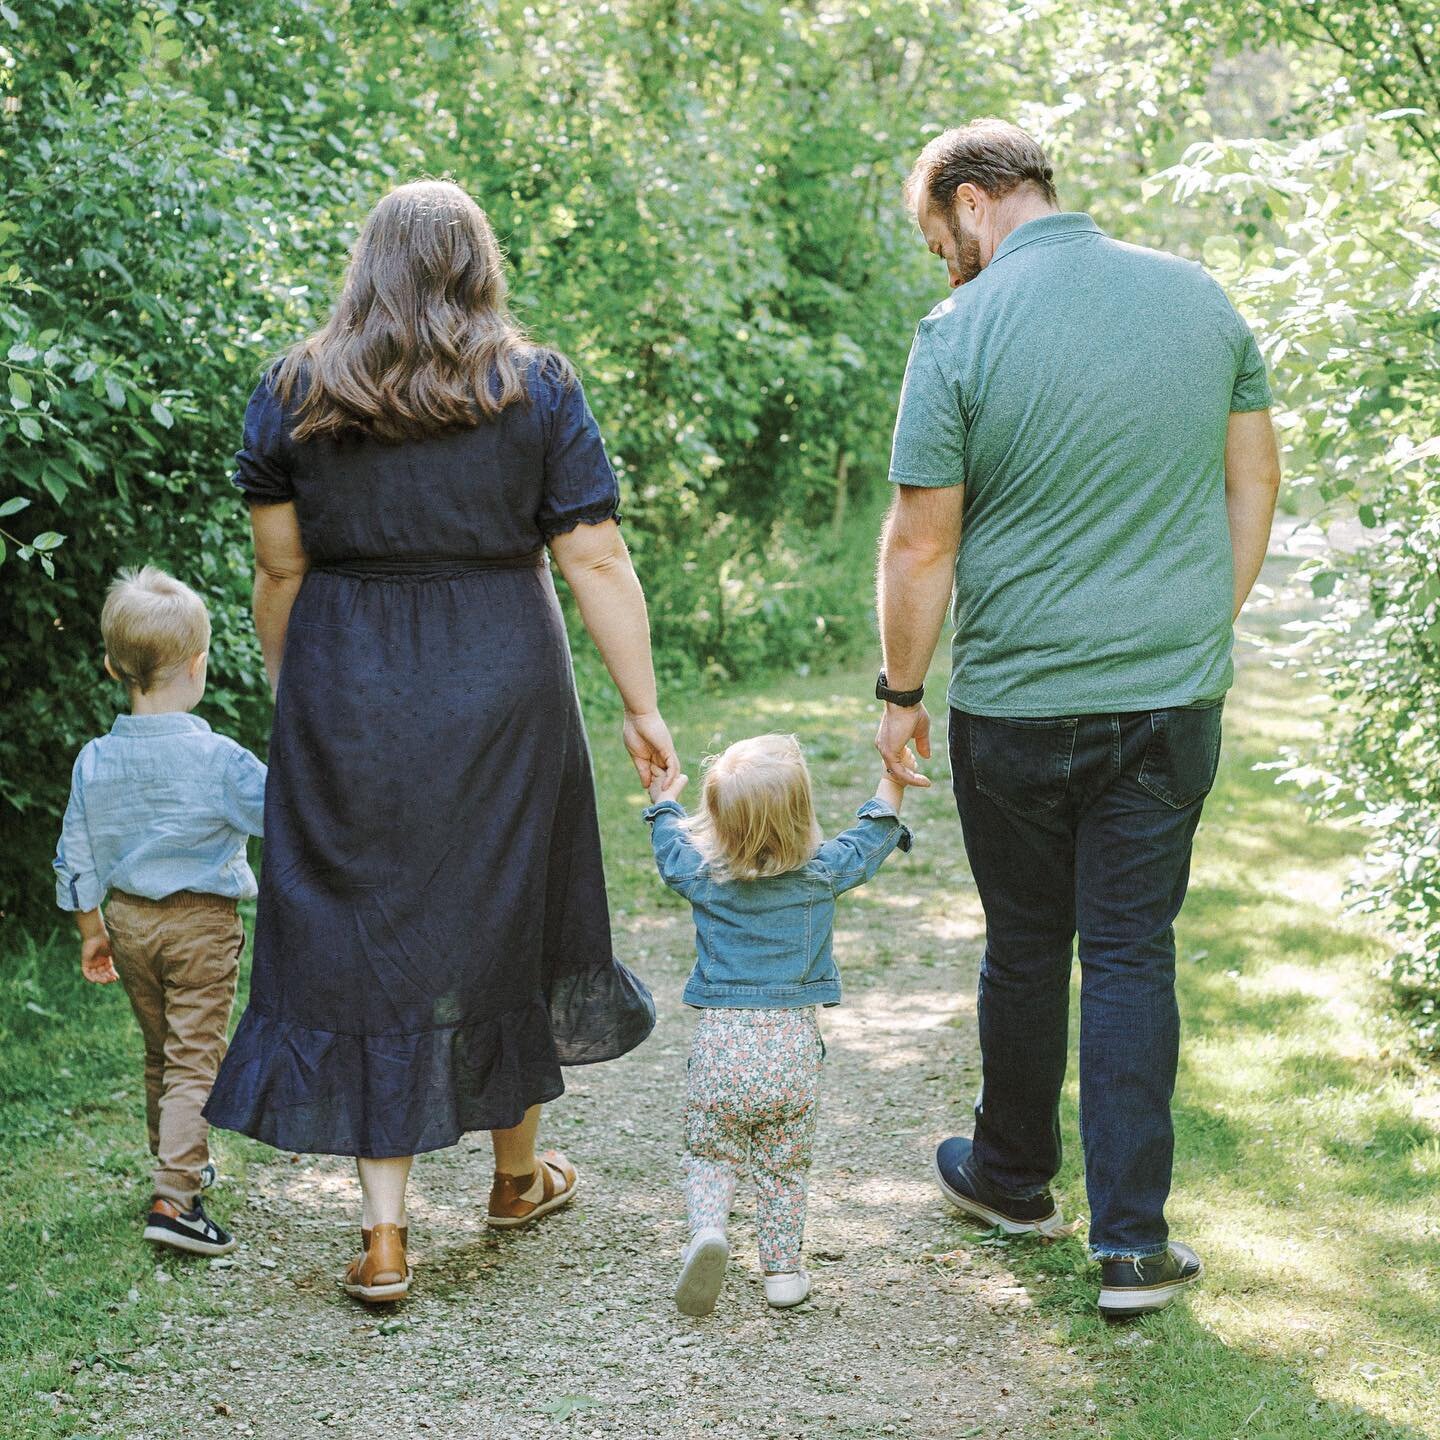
(158, 805)
(765, 944)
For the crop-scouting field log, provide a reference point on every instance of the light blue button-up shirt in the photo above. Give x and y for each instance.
(159, 805)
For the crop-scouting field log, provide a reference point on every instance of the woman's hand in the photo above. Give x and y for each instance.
(647, 738)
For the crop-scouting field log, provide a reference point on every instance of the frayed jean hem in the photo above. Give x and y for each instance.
(1103, 1256)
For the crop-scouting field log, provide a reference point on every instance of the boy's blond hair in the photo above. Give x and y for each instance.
(757, 813)
(152, 624)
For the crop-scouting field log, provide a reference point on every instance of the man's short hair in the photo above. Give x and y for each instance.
(152, 624)
(993, 155)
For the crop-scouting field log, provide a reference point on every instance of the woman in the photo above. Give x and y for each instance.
(433, 940)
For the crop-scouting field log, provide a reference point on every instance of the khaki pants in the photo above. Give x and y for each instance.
(178, 959)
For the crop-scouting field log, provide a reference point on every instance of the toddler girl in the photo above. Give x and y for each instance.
(761, 881)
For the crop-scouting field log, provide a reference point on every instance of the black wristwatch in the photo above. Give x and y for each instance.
(904, 698)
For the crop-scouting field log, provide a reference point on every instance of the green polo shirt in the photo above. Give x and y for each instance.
(1080, 390)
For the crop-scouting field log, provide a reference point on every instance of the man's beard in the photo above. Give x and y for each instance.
(967, 254)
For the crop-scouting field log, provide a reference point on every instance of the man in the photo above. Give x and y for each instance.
(1084, 453)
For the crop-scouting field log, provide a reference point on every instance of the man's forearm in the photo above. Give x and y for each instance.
(915, 588)
(1252, 514)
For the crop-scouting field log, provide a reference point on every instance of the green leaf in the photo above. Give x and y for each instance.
(1323, 584)
(55, 485)
(114, 392)
(20, 387)
(564, 1406)
(162, 415)
(30, 428)
(9, 17)
(47, 540)
(13, 506)
(48, 566)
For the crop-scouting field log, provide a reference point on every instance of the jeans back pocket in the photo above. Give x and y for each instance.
(1183, 754)
(1022, 765)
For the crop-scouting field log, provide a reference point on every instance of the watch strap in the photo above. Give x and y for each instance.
(903, 698)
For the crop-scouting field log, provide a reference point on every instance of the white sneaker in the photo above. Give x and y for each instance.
(788, 1288)
(703, 1272)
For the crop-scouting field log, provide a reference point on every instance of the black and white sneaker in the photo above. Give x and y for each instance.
(208, 1175)
(966, 1189)
(190, 1230)
(1137, 1287)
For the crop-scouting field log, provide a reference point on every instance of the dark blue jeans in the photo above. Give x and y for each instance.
(1083, 824)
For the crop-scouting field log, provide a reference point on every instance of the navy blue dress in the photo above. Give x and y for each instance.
(433, 940)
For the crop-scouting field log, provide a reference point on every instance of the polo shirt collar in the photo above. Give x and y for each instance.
(1060, 226)
(176, 722)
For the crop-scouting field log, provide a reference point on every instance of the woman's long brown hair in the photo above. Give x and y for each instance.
(421, 339)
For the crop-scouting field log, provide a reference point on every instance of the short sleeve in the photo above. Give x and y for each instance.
(1252, 387)
(930, 430)
(262, 465)
(580, 487)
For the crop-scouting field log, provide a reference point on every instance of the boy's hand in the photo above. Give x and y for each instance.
(97, 964)
(661, 789)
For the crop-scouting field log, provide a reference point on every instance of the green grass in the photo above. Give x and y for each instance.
(1308, 1158)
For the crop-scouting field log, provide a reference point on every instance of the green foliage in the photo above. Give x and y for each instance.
(700, 206)
(1345, 269)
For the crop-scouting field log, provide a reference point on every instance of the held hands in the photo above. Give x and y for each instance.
(890, 790)
(899, 729)
(96, 962)
(652, 751)
(661, 789)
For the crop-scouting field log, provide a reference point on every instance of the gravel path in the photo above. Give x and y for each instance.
(914, 1328)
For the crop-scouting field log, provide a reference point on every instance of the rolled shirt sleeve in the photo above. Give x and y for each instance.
(77, 886)
(854, 855)
(245, 792)
(930, 429)
(676, 858)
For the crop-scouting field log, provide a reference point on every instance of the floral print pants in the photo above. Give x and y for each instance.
(751, 1094)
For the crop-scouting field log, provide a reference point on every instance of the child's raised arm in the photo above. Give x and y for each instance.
(676, 858)
(854, 855)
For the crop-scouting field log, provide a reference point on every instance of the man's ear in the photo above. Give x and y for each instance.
(968, 200)
(110, 669)
(197, 664)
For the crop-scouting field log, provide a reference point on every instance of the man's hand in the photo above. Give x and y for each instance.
(97, 964)
(900, 727)
(663, 789)
(647, 738)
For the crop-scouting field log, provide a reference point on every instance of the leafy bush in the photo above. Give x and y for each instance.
(1345, 267)
(700, 206)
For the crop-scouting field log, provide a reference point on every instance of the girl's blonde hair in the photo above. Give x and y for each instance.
(422, 339)
(757, 813)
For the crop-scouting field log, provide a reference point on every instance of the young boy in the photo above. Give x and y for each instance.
(160, 813)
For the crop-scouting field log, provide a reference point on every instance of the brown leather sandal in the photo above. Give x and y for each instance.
(517, 1200)
(380, 1272)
